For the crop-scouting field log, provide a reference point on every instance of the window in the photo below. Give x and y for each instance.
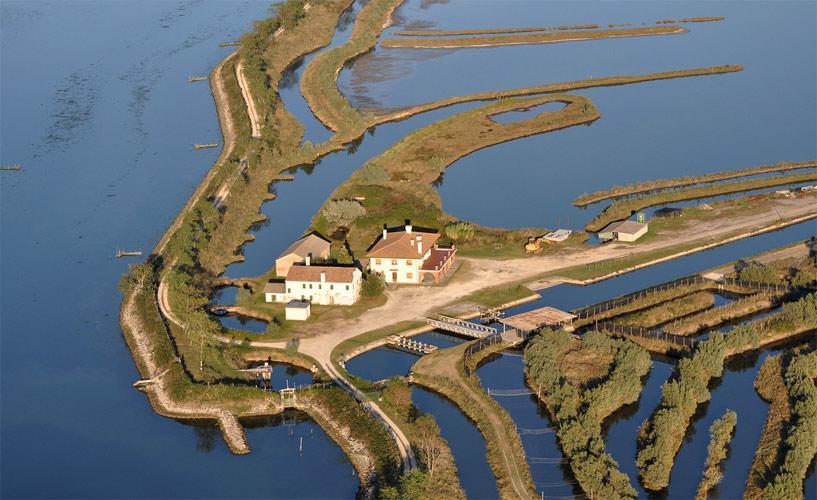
(303, 285)
(289, 290)
(310, 286)
(377, 261)
(409, 276)
(394, 262)
(347, 287)
(408, 263)
(331, 287)
(320, 287)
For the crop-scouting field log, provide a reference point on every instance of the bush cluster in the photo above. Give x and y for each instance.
(662, 435)
(800, 441)
(720, 434)
(579, 414)
(459, 231)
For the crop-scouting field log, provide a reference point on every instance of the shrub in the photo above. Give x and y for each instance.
(759, 273)
(459, 231)
(343, 212)
(373, 285)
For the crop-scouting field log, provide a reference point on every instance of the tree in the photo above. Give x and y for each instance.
(343, 212)
(428, 441)
(373, 285)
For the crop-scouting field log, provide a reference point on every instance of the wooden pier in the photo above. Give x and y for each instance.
(409, 345)
(125, 253)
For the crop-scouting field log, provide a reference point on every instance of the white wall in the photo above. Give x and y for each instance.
(327, 293)
(408, 270)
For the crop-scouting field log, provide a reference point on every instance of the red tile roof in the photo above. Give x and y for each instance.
(334, 274)
(402, 245)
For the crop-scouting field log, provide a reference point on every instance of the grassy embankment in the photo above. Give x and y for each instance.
(190, 252)
(493, 31)
(624, 208)
(529, 29)
(397, 185)
(666, 184)
(661, 436)
(174, 394)
(319, 81)
(443, 371)
(590, 273)
(741, 308)
(670, 310)
(528, 38)
(579, 401)
(437, 476)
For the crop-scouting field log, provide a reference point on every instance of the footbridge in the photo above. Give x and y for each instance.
(461, 327)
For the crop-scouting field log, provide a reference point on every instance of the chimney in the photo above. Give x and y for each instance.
(308, 260)
(385, 233)
(408, 226)
(420, 245)
(323, 277)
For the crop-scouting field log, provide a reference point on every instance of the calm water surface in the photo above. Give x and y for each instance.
(651, 130)
(97, 109)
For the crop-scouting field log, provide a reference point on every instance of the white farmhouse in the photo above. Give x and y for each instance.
(317, 284)
(410, 256)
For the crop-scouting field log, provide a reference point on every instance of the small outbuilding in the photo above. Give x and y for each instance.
(669, 212)
(298, 310)
(628, 230)
(275, 291)
(312, 245)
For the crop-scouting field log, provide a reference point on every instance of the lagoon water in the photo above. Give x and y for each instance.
(97, 109)
(764, 114)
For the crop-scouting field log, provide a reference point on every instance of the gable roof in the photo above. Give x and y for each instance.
(312, 243)
(402, 245)
(334, 274)
(629, 227)
(275, 287)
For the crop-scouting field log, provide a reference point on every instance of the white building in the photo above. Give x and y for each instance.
(318, 284)
(409, 256)
(628, 230)
(297, 310)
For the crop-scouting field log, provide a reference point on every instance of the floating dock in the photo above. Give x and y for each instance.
(229, 44)
(412, 346)
(193, 79)
(204, 146)
(13, 168)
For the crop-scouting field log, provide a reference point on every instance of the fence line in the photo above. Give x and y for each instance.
(594, 309)
(478, 346)
(646, 333)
